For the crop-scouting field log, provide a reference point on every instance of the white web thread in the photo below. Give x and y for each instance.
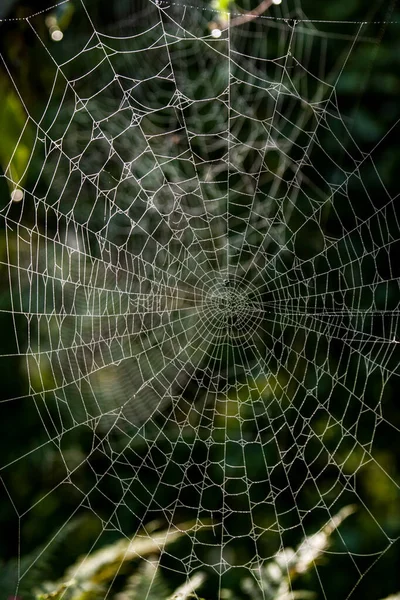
(207, 299)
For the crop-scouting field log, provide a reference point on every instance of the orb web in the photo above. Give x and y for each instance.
(203, 287)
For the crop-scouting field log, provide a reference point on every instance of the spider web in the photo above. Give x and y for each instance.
(201, 282)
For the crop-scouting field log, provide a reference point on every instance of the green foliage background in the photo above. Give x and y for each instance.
(371, 95)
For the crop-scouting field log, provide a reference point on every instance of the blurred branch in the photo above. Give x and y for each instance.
(243, 18)
(252, 14)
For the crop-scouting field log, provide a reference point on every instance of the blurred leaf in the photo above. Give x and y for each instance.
(222, 5)
(311, 549)
(186, 590)
(90, 576)
(275, 582)
(146, 583)
(105, 563)
(37, 566)
(16, 137)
